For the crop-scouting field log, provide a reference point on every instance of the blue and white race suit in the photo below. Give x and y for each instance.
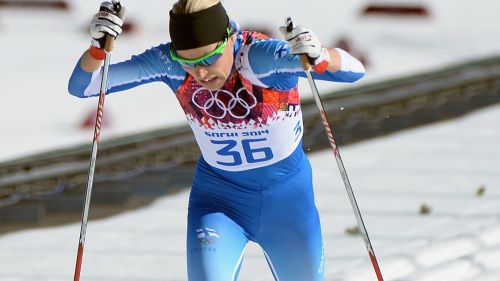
(253, 181)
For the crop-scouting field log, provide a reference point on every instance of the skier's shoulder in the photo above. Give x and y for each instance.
(158, 59)
(259, 51)
(260, 44)
(160, 53)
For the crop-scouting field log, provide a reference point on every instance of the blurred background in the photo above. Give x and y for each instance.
(426, 61)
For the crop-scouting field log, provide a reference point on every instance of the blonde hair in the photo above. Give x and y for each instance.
(191, 6)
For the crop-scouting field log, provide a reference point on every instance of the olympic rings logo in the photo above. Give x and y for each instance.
(221, 102)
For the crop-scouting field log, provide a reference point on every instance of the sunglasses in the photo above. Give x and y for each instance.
(205, 60)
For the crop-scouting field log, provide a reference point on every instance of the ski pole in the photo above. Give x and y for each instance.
(108, 46)
(306, 65)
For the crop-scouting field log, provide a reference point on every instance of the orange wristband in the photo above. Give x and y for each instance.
(96, 53)
(321, 67)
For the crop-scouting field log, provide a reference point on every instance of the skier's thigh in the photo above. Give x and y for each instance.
(215, 246)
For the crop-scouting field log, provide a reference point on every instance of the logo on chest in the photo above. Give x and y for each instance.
(221, 104)
(237, 105)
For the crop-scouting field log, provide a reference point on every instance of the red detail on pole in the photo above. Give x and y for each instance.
(376, 267)
(98, 121)
(329, 133)
(89, 120)
(78, 267)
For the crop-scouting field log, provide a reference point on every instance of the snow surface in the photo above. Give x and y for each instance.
(441, 165)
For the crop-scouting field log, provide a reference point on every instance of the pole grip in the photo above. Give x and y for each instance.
(110, 44)
(306, 65)
(119, 11)
(304, 60)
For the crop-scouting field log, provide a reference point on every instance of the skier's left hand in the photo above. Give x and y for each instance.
(302, 41)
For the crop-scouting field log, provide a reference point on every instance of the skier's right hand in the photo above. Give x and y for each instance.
(106, 22)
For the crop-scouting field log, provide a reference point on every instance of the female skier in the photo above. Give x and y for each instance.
(238, 89)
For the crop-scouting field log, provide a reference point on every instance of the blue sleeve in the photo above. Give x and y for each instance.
(154, 65)
(274, 66)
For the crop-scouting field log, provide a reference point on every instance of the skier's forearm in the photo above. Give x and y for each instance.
(88, 63)
(81, 81)
(335, 61)
(342, 67)
(348, 68)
